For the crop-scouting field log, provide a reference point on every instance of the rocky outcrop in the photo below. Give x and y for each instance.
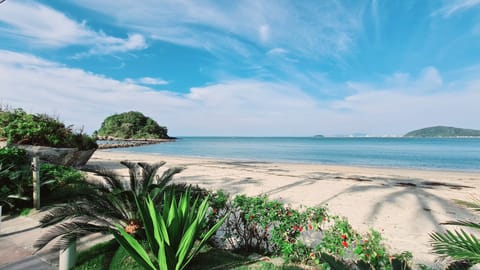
(61, 156)
(108, 142)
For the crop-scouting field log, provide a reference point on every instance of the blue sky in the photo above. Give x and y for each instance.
(246, 68)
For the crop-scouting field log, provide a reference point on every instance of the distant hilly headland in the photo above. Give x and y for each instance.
(443, 132)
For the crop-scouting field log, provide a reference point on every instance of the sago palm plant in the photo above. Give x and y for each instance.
(107, 203)
(458, 244)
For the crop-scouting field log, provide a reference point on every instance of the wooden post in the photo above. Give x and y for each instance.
(36, 182)
(68, 256)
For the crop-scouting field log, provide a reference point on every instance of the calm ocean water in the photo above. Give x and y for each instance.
(424, 153)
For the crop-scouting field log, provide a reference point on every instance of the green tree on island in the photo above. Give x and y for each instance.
(132, 125)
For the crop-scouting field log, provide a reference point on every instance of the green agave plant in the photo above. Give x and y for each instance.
(459, 244)
(171, 233)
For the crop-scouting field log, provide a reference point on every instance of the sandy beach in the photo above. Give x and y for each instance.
(404, 204)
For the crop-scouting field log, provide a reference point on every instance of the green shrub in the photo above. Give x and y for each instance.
(258, 224)
(60, 184)
(15, 177)
(20, 127)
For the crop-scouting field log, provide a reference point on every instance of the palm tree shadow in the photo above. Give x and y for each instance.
(418, 188)
(304, 182)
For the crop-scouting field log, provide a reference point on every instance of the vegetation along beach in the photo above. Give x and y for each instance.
(185, 135)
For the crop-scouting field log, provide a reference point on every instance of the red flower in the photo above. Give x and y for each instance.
(300, 229)
(295, 227)
(344, 244)
(344, 236)
(310, 226)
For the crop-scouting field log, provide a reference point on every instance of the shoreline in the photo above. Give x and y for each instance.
(436, 169)
(405, 205)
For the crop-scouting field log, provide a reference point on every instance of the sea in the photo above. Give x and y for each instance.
(458, 154)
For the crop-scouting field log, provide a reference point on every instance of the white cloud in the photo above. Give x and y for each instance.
(83, 98)
(264, 32)
(457, 6)
(238, 107)
(147, 81)
(277, 51)
(44, 26)
(429, 80)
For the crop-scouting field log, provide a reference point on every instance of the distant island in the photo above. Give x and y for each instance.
(442, 131)
(319, 136)
(131, 125)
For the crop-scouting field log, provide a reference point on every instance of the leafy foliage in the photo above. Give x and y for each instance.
(131, 125)
(58, 183)
(15, 177)
(459, 244)
(257, 224)
(20, 127)
(103, 205)
(171, 232)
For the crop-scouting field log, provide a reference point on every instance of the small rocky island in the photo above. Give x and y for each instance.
(443, 132)
(130, 129)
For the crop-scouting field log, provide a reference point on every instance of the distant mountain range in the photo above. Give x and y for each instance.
(442, 131)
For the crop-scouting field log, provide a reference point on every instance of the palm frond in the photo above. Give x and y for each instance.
(473, 205)
(456, 244)
(168, 174)
(463, 223)
(133, 174)
(103, 205)
(63, 234)
(149, 171)
(112, 180)
(162, 181)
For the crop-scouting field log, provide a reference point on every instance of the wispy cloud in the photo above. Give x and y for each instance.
(303, 29)
(147, 81)
(43, 26)
(457, 6)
